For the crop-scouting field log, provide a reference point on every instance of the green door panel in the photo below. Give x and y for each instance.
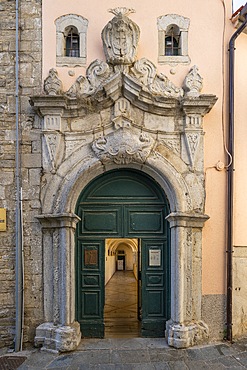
(90, 287)
(124, 186)
(91, 304)
(123, 204)
(101, 220)
(95, 221)
(155, 287)
(144, 221)
(155, 301)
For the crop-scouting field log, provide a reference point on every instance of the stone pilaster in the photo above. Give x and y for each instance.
(185, 327)
(59, 332)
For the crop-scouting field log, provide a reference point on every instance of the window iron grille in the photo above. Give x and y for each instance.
(72, 44)
(172, 47)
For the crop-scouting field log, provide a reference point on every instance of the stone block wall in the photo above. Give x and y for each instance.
(30, 38)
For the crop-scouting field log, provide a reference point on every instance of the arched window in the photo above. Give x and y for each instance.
(173, 39)
(71, 31)
(72, 42)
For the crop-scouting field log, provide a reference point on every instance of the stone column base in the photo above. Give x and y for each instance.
(58, 338)
(184, 336)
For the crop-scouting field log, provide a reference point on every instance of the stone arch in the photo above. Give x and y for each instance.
(59, 222)
(67, 183)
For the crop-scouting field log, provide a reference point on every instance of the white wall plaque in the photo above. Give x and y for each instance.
(154, 257)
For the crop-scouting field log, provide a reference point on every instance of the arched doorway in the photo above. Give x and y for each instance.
(123, 204)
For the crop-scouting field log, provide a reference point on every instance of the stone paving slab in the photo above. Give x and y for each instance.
(139, 354)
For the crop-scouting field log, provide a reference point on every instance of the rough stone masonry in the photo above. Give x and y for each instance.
(30, 157)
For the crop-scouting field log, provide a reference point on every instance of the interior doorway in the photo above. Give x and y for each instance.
(121, 289)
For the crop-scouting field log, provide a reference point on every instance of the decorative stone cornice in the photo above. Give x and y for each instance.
(177, 219)
(141, 85)
(48, 104)
(60, 220)
(142, 98)
(200, 105)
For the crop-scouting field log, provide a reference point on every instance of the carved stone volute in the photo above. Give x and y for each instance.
(120, 38)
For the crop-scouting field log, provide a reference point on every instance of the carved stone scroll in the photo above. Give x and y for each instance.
(80, 88)
(97, 72)
(145, 72)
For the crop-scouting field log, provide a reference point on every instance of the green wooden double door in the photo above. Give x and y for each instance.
(123, 204)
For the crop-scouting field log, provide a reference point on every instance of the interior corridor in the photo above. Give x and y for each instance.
(120, 314)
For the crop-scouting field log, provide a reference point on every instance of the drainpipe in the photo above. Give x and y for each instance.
(18, 217)
(243, 17)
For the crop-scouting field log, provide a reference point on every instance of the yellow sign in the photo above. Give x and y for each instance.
(2, 219)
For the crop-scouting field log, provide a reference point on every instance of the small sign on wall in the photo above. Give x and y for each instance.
(154, 257)
(2, 219)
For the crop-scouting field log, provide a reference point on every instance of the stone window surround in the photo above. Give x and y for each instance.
(163, 22)
(81, 25)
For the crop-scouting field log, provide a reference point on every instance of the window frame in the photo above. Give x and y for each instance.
(174, 38)
(164, 22)
(62, 24)
(71, 34)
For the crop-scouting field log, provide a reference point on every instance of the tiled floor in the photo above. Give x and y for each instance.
(121, 306)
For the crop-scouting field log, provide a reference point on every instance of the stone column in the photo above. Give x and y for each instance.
(60, 331)
(185, 327)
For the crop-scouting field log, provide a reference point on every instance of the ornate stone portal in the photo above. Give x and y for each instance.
(122, 113)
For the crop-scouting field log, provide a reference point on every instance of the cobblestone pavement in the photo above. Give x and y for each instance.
(141, 354)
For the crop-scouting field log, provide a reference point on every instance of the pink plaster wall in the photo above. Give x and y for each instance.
(208, 50)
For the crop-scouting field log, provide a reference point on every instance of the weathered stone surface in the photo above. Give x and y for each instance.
(117, 50)
(214, 305)
(240, 291)
(30, 81)
(32, 160)
(58, 338)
